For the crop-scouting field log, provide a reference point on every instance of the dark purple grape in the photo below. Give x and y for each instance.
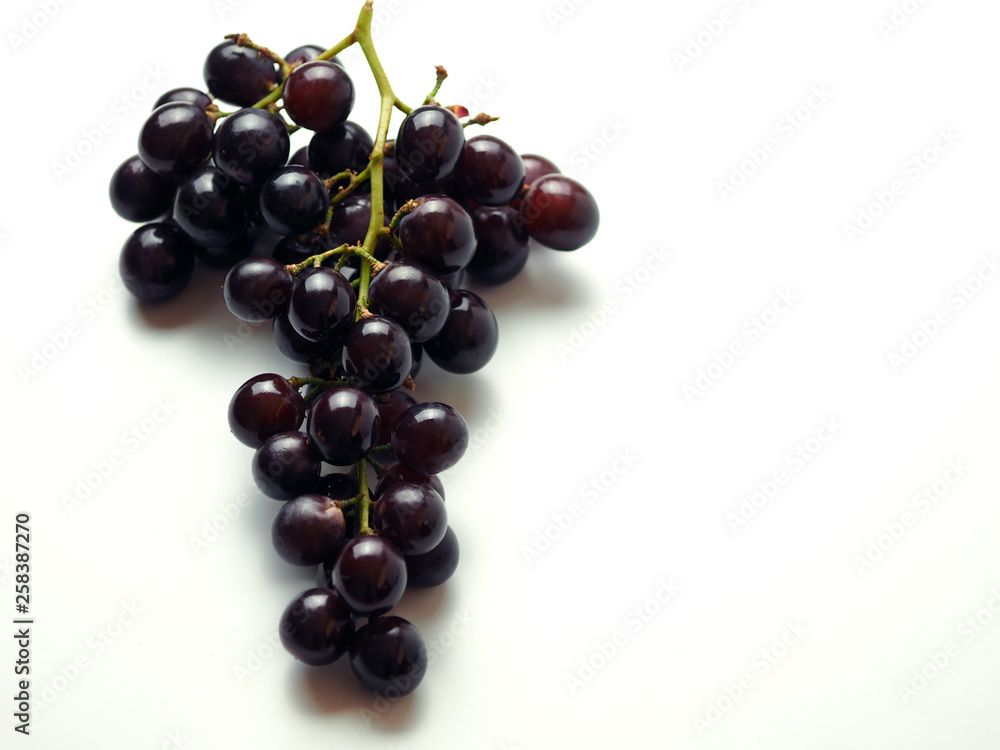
(454, 280)
(469, 337)
(412, 517)
(390, 406)
(293, 200)
(300, 157)
(257, 289)
(406, 190)
(430, 437)
(339, 486)
(250, 144)
(350, 220)
(429, 144)
(435, 567)
(264, 406)
(400, 474)
(318, 95)
(347, 146)
(411, 295)
(343, 425)
(192, 96)
(308, 529)
(317, 627)
(175, 139)
(293, 249)
(239, 75)
(418, 359)
(308, 52)
(156, 262)
(299, 349)
(536, 166)
(209, 208)
(388, 656)
(560, 213)
(377, 354)
(391, 176)
(286, 466)
(439, 234)
(139, 194)
(501, 245)
(322, 305)
(225, 256)
(491, 172)
(370, 574)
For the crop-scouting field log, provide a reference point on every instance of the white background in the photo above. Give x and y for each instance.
(597, 86)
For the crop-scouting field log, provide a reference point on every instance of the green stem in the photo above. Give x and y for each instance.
(314, 260)
(299, 382)
(389, 100)
(356, 179)
(364, 498)
(340, 46)
(441, 74)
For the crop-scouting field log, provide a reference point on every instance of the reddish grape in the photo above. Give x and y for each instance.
(560, 213)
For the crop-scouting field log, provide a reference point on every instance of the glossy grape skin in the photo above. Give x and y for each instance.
(491, 172)
(338, 486)
(560, 213)
(430, 437)
(250, 144)
(411, 295)
(350, 220)
(388, 656)
(175, 139)
(401, 474)
(264, 406)
(293, 200)
(318, 95)
(469, 337)
(297, 348)
(390, 406)
(418, 358)
(137, 193)
(343, 425)
(439, 234)
(502, 245)
(536, 166)
(454, 280)
(434, 567)
(239, 75)
(429, 144)
(225, 256)
(308, 52)
(156, 262)
(286, 466)
(370, 573)
(406, 190)
(317, 627)
(295, 249)
(377, 354)
(308, 529)
(300, 157)
(209, 208)
(257, 289)
(322, 305)
(185, 94)
(412, 517)
(346, 146)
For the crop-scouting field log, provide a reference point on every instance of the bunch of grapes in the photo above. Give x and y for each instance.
(368, 243)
